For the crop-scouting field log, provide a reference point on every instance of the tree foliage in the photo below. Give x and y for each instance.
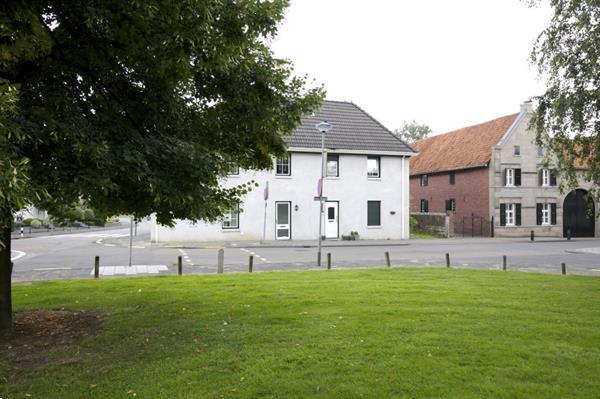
(567, 117)
(140, 107)
(413, 131)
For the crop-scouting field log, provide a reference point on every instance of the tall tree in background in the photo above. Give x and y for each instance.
(138, 107)
(413, 131)
(567, 118)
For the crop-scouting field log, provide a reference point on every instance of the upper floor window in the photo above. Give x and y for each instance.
(451, 178)
(510, 214)
(333, 161)
(373, 166)
(512, 177)
(424, 180)
(283, 166)
(234, 170)
(424, 206)
(546, 178)
(540, 151)
(451, 205)
(517, 150)
(231, 218)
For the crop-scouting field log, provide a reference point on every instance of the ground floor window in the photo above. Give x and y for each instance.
(424, 206)
(510, 214)
(451, 205)
(546, 214)
(373, 213)
(231, 218)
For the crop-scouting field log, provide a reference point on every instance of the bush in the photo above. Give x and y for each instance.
(413, 223)
(27, 222)
(35, 223)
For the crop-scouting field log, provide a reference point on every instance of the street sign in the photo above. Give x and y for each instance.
(319, 198)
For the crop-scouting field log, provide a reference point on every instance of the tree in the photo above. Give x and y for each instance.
(411, 132)
(567, 117)
(138, 107)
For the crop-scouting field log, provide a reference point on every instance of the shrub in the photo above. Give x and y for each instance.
(27, 222)
(35, 223)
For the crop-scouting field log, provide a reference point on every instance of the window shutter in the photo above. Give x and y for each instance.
(503, 214)
(552, 181)
(553, 214)
(517, 177)
(504, 173)
(426, 205)
(518, 212)
(538, 213)
(540, 177)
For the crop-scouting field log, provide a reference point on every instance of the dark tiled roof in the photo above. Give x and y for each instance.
(468, 147)
(352, 129)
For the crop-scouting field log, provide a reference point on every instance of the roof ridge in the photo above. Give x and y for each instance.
(467, 127)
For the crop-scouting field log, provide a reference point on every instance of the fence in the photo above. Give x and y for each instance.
(474, 226)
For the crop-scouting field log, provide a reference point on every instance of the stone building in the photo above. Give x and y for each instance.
(491, 178)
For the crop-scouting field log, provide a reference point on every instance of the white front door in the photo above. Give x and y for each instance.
(283, 229)
(331, 219)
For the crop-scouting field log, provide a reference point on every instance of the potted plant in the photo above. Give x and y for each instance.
(354, 235)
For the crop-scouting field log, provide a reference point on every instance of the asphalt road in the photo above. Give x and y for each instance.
(72, 255)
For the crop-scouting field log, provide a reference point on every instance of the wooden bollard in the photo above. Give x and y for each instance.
(532, 235)
(448, 260)
(96, 267)
(568, 234)
(250, 263)
(328, 260)
(387, 259)
(179, 266)
(220, 260)
(563, 268)
(504, 262)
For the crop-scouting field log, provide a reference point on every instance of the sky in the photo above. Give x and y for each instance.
(447, 64)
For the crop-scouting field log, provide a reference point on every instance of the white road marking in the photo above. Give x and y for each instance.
(255, 254)
(47, 269)
(185, 256)
(129, 271)
(19, 255)
(596, 270)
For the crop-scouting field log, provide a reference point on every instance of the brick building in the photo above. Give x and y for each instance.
(490, 176)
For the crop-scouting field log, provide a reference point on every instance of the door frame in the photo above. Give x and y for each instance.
(289, 204)
(337, 219)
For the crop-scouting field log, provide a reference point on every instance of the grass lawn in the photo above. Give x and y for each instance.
(342, 334)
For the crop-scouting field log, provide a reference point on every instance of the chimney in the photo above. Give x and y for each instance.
(527, 107)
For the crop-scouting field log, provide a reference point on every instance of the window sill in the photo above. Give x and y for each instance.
(373, 178)
(374, 227)
(332, 178)
(283, 176)
(232, 230)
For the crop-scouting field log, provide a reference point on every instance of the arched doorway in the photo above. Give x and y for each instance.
(577, 215)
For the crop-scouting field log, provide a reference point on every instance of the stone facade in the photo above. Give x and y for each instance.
(517, 150)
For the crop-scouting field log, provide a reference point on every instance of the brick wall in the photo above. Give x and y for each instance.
(470, 190)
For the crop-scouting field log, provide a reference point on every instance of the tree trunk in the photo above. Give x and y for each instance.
(5, 269)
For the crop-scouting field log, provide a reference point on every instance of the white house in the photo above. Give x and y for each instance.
(366, 186)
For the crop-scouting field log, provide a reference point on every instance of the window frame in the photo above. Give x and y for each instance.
(546, 214)
(231, 212)
(278, 163)
(337, 165)
(369, 202)
(424, 205)
(510, 177)
(517, 150)
(231, 173)
(451, 205)
(546, 179)
(424, 180)
(377, 158)
(510, 210)
(451, 178)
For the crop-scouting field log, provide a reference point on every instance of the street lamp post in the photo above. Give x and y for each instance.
(322, 127)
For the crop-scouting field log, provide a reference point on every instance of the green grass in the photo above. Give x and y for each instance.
(341, 334)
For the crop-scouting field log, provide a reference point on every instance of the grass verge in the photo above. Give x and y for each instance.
(344, 334)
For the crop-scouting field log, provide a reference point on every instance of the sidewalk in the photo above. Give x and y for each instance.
(124, 242)
(40, 232)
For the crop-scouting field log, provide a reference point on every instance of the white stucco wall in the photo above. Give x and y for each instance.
(352, 189)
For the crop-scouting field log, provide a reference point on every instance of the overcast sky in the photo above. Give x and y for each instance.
(448, 64)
